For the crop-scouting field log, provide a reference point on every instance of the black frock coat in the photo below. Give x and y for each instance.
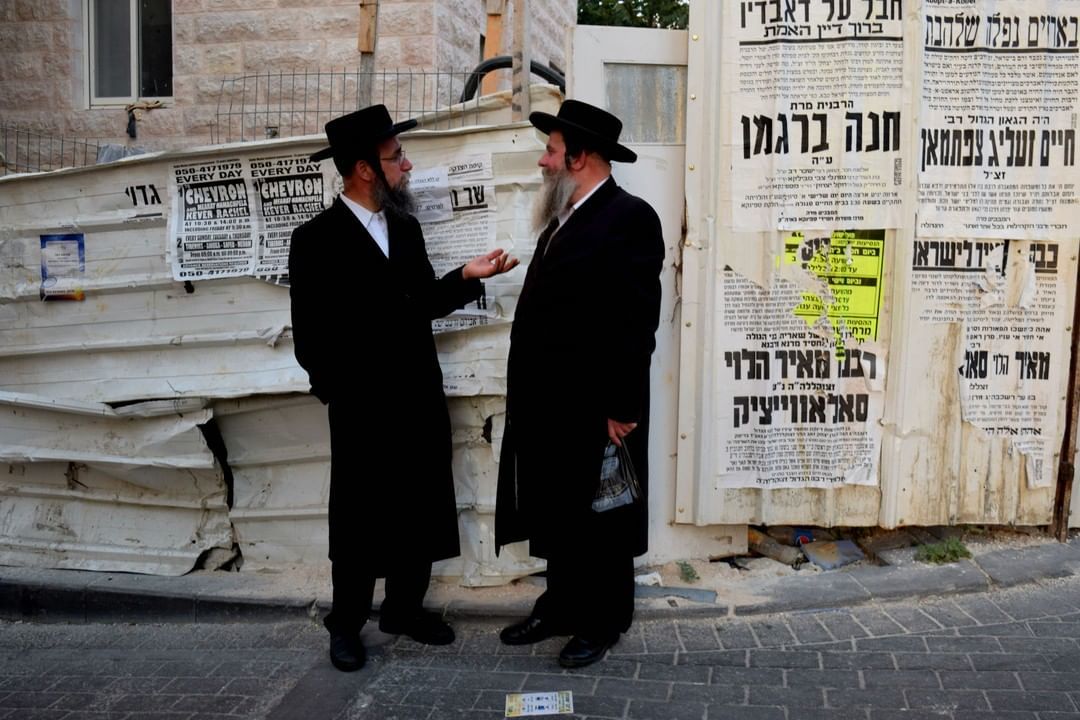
(584, 330)
(362, 329)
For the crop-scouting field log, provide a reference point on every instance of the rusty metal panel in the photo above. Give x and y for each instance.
(1074, 511)
(972, 351)
(948, 463)
(735, 277)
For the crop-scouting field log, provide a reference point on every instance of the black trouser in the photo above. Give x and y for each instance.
(590, 592)
(354, 586)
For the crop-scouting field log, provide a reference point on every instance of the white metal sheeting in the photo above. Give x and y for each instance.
(279, 453)
(85, 488)
(136, 488)
(138, 334)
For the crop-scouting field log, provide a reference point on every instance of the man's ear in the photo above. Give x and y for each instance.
(362, 170)
(579, 161)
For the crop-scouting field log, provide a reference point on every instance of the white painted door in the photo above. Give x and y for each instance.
(641, 76)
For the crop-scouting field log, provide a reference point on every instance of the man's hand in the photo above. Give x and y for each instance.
(484, 266)
(616, 430)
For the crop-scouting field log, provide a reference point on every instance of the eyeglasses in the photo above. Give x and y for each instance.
(397, 158)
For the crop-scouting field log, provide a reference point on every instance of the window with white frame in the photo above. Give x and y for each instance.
(130, 50)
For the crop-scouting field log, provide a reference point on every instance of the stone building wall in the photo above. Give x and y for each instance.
(43, 82)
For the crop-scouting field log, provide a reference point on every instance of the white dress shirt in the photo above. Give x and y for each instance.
(374, 223)
(565, 214)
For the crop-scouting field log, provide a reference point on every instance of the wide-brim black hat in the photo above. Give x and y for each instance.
(352, 136)
(597, 128)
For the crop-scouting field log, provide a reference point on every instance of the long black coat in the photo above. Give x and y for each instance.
(362, 330)
(583, 334)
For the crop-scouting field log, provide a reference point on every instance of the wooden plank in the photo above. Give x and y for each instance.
(492, 46)
(520, 105)
(365, 38)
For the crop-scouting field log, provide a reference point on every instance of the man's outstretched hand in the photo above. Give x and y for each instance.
(484, 266)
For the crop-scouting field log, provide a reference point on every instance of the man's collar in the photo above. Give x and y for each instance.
(362, 213)
(565, 214)
(589, 194)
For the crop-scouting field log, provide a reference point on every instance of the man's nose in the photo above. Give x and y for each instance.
(406, 165)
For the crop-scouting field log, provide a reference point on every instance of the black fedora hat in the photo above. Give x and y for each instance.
(352, 135)
(598, 128)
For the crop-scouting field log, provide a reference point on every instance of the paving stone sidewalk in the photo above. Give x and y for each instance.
(30, 593)
(1011, 654)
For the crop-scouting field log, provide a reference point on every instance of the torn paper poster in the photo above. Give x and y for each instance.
(471, 168)
(543, 703)
(816, 114)
(469, 232)
(288, 190)
(997, 135)
(850, 263)
(234, 216)
(796, 407)
(432, 192)
(210, 227)
(1009, 297)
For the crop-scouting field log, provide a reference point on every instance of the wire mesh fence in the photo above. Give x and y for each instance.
(282, 104)
(24, 150)
(290, 103)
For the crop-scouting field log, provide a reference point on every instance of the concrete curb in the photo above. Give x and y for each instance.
(83, 596)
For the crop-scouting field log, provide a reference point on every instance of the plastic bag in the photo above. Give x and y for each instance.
(618, 481)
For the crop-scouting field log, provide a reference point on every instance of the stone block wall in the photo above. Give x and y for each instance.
(43, 81)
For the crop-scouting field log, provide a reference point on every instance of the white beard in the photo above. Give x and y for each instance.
(554, 198)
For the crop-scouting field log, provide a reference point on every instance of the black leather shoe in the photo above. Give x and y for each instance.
(424, 627)
(582, 651)
(347, 652)
(530, 630)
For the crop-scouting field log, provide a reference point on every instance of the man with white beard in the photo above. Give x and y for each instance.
(578, 379)
(363, 298)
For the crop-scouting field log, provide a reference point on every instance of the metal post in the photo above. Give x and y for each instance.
(1059, 523)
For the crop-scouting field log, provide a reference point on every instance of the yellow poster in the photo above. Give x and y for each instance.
(850, 262)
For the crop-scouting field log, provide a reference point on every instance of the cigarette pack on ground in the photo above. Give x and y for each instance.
(546, 703)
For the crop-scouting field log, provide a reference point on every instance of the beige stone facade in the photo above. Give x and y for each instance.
(44, 74)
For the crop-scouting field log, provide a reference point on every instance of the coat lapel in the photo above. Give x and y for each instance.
(582, 215)
(353, 231)
(395, 237)
(537, 261)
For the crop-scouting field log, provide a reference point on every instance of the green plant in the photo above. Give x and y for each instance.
(673, 14)
(687, 572)
(946, 551)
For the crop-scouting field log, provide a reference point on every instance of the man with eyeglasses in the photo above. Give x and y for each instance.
(363, 298)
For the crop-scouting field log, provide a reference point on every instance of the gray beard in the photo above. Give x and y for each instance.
(399, 200)
(554, 198)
